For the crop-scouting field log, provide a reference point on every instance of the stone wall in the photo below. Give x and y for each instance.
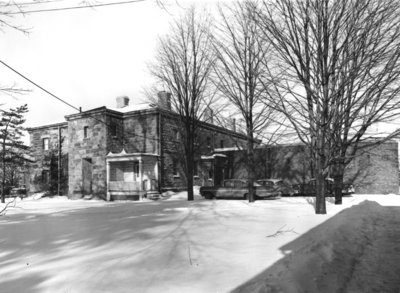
(44, 171)
(141, 132)
(157, 132)
(373, 170)
(93, 149)
(115, 132)
(171, 155)
(208, 139)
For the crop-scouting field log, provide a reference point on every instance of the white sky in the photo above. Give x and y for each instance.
(87, 56)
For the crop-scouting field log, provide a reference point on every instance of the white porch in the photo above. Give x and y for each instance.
(131, 175)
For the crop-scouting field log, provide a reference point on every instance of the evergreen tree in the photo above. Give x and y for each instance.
(11, 127)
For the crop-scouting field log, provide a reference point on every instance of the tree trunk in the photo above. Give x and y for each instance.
(3, 196)
(190, 190)
(338, 182)
(250, 168)
(190, 179)
(189, 162)
(320, 206)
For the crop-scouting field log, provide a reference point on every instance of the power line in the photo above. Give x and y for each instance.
(19, 4)
(35, 84)
(73, 7)
(65, 102)
(76, 108)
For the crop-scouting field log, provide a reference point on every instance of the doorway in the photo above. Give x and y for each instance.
(86, 176)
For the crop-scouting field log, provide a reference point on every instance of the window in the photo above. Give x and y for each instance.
(124, 171)
(46, 144)
(113, 130)
(45, 176)
(228, 184)
(221, 143)
(136, 169)
(85, 131)
(128, 172)
(176, 134)
(175, 168)
(208, 141)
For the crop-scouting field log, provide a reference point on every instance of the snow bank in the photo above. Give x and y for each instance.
(181, 195)
(172, 245)
(354, 251)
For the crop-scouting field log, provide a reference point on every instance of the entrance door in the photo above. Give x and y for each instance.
(86, 176)
(219, 171)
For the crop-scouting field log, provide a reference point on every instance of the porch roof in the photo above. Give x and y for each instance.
(128, 156)
(213, 156)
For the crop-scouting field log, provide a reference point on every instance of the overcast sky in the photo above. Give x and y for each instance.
(87, 56)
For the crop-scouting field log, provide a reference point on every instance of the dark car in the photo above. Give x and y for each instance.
(309, 188)
(18, 192)
(279, 184)
(238, 188)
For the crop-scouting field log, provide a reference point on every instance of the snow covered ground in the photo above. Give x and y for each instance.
(172, 245)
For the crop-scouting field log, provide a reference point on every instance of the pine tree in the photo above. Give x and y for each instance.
(11, 128)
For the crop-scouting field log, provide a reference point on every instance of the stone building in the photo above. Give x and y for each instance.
(135, 150)
(374, 170)
(123, 152)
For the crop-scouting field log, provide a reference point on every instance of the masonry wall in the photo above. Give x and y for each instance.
(289, 163)
(93, 148)
(171, 154)
(208, 139)
(43, 175)
(115, 141)
(374, 170)
(141, 132)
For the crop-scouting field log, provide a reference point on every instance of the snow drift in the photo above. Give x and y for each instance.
(354, 251)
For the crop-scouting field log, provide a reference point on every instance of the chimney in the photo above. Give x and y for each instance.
(164, 100)
(122, 101)
(233, 124)
(208, 115)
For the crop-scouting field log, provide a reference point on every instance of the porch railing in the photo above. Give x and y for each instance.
(124, 186)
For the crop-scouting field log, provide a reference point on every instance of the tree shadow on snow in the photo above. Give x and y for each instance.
(354, 251)
(60, 246)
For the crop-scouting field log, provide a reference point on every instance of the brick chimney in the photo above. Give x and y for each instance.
(122, 101)
(209, 115)
(164, 100)
(233, 124)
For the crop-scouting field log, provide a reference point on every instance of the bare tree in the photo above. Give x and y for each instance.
(239, 70)
(182, 66)
(367, 80)
(336, 74)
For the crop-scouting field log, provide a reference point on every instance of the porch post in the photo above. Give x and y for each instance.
(156, 175)
(141, 176)
(108, 180)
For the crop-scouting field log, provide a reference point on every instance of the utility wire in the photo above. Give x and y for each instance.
(73, 7)
(76, 108)
(35, 84)
(9, 4)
